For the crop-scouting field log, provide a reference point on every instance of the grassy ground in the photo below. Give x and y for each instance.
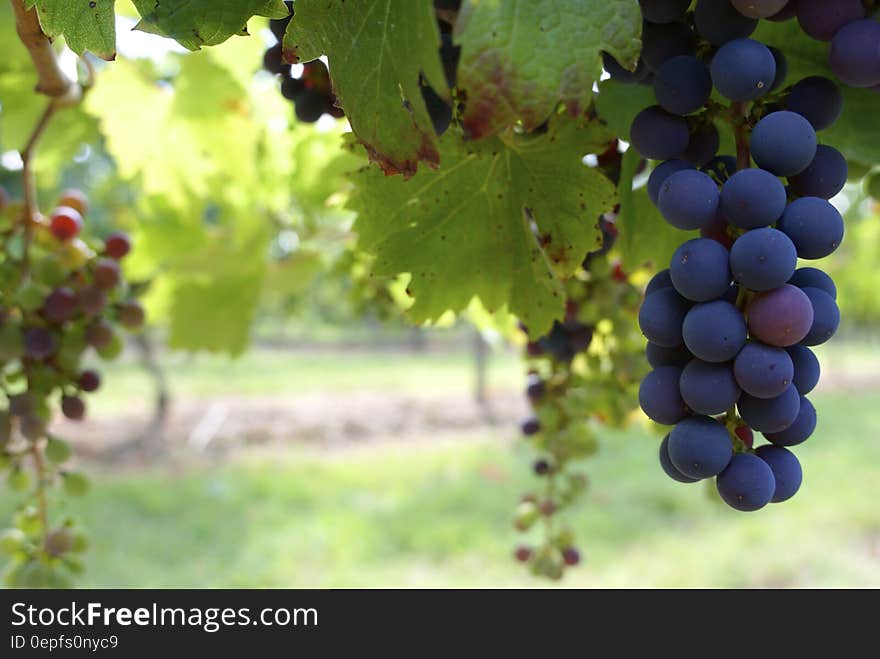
(437, 514)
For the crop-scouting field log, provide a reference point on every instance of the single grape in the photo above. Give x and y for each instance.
(786, 469)
(273, 61)
(783, 143)
(669, 468)
(571, 556)
(708, 388)
(664, 11)
(89, 381)
(663, 42)
(682, 85)
(530, 426)
(65, 223)
(752, 198)
(825, 176)
(759, 8)
(817, 99)
(60, 305)
(661, 172)
(92, 300)
(621, 74)
(743, 69)
(700, 271)
(718, 22)
(99, 334)
(73, 407)
(659, 356)
(699, 447)
(660, 398)
(117, 245)
(763, 259)
(822, 19)
(855, 54)
(826, 316)
(523, 554)
(40, 343)
(688, 199)
(714, 331)
(661, 280)
(781, 317)
(799, 430)
(310, 105)
(814, 277)
(535, 388)
(657, 134)
(131, 314)
(703, 143)
(770, 415)
(75, 199)
(806, 368)
(661, 316)
(763, 371)
(747, 484)
(814, 226)
(541, 468)
(106, 273)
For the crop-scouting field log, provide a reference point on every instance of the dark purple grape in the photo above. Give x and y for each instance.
(530, 426)
(73, 407)
(817, 99)
(783, 143)
(40, 343)
(703, 144)
(799, 430)
(770, 415)
(825, 176)
(854, 56)
(787, 473)
(821, 19)
(826, 316)
(708, 388)
(60, 305)
(747, 484)
(813, 225)
(781, 317)
(658, 134)
(89, 381)
(743, 69)
(763, 259)
(670, 469)
(718, 22)
(660, 398)
(814, 277)
(700, 447)
(763, 371)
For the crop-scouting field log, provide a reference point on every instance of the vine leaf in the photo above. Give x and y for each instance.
(85, 24)
(503, 80)
(502, 219)
(197, 23)
(376, 50)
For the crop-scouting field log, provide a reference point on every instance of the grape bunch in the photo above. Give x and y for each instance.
(582, 377)
(731, 323)
(61, 297)
(312, 92)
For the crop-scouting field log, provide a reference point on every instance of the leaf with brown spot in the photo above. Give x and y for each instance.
(376, 50)
(520, 58)
(479, 240)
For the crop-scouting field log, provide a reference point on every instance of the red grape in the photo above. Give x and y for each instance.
(131, 314)
(60, 305)
(106, 273)
(92, 300)
(65, 223)
(89, 381)
(99, 334)
(73, 407)
(117, 245)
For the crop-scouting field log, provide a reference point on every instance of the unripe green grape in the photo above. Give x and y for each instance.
(74, 564)
(57, 450)
(28, 520)
(80, 541)
(112, 350)
(48, 270)
(527, 514)
(31, 294)
(12, 541)
(75, 483)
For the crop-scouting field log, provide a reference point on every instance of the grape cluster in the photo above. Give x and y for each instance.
(312, 92)
(731, 322)
(61, 296)
(582, 376)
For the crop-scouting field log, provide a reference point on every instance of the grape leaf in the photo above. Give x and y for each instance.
(85, 24)
(645, 237)
(467, 229)
(505, 81)
(376, 50)
(197, 23)
(855, 133)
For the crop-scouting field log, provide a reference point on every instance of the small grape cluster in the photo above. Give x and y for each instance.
(582, 375)
(312, 92)
(61, 295)
(731, 322)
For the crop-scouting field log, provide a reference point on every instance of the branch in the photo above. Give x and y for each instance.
(52, 82)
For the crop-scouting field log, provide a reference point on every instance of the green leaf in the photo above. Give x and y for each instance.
(376, 50)
(197, 23)
(85, 24)
(645, 237)
(855, 133)
(520, 58)
(465, 230)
